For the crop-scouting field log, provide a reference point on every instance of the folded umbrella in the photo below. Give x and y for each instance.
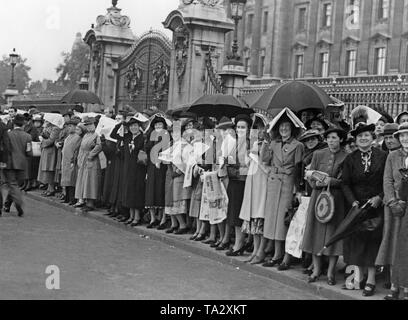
(350, 224)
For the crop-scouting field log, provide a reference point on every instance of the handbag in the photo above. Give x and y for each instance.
(36, 148)
(142, 157)
(324, 207)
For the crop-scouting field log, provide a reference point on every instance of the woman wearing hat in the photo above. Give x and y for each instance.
(32, 171)
(134, 172)
(317, 233)
(318, 124)
(282, 157)
(363, 173)
(402, 118)
(158, 140)
(88, 182)
(69, 153)
(395, 198)
(46, 171)
(237, 174)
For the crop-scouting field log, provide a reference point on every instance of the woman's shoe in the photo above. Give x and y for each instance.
(171, 230)
(222, 247)
(201, 237)
(312, 279)
(369, 290)
(215, 245)
(210, 242)
(151, 225)
(331, 281)
(181, 231)
(128, 223)
(194, 237)
(257, 260)
(237, 253)
(161, 227)
(273, 262)
(79, 205)
(50, 194)
(136, 223)
(308, 272)
(284, 266)
(394, 295)
(87, 209)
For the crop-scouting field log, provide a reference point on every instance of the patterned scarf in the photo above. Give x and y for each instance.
(366, 160)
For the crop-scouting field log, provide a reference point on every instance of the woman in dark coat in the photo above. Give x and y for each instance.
(330, 161)
(157, 141)
(363, 173)
(134, 172)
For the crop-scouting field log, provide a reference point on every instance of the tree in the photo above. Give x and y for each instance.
(21, 77)
(74, 64)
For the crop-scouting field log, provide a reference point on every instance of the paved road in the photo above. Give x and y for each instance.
(100, 261)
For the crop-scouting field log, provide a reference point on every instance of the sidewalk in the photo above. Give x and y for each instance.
(292, 277)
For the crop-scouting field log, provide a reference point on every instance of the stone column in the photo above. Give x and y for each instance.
(199, 28)
(256, 38)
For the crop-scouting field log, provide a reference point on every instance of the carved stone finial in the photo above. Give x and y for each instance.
(114, 3)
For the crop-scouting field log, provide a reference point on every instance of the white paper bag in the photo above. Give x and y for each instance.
(36, 147)
(294, 238)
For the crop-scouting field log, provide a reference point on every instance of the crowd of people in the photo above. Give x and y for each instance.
(234, 184)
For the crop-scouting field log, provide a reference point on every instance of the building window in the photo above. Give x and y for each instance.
(324, 65)
(247, 64)
(383, 9)
(301, 26)
(327, 15)
(262, 66)
(351, 60)
(379, 62)
(353, 12)
(250, 23)
(265, 21)
(299, 66)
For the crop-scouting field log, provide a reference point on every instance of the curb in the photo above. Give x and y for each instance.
(292, 278)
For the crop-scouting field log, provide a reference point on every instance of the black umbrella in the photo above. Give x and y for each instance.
(296, 95)
(81, 96)
(350, 224)
(178, 112)
(218, 106)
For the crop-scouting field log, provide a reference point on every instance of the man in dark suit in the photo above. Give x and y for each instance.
(4, 154)
(20, 148)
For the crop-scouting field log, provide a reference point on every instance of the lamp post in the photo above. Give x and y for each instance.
(13, 62)
(237, 12)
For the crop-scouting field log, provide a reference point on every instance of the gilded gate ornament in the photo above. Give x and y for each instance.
(133, 80)
(161, 77)
(181, 45)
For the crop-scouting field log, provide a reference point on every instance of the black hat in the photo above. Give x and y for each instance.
(400, 115)
(79, 108)
(225, 123)
(132, 121)
(362, 127)
(324, 123)
(73, 122)
(19, 120)
(310, 134)
(341, 133)
(88, 121)
(244, 117)
(208, 124)
(68, 113)
(158, 119)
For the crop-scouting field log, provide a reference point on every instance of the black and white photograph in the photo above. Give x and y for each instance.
(204, 154)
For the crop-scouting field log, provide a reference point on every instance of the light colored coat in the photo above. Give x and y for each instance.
(68, 163)
(89, 171)
(49, 151)
(392, 183)
(281, 183)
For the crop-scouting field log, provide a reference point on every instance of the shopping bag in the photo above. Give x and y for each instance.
(294, 237)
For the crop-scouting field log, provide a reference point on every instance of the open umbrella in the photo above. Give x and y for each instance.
(218, 106)
(176, 113)
(350, 224)
(297, 95)
(81, 96)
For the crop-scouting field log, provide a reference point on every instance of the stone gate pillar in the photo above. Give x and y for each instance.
(108, 40)
(199, 28)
